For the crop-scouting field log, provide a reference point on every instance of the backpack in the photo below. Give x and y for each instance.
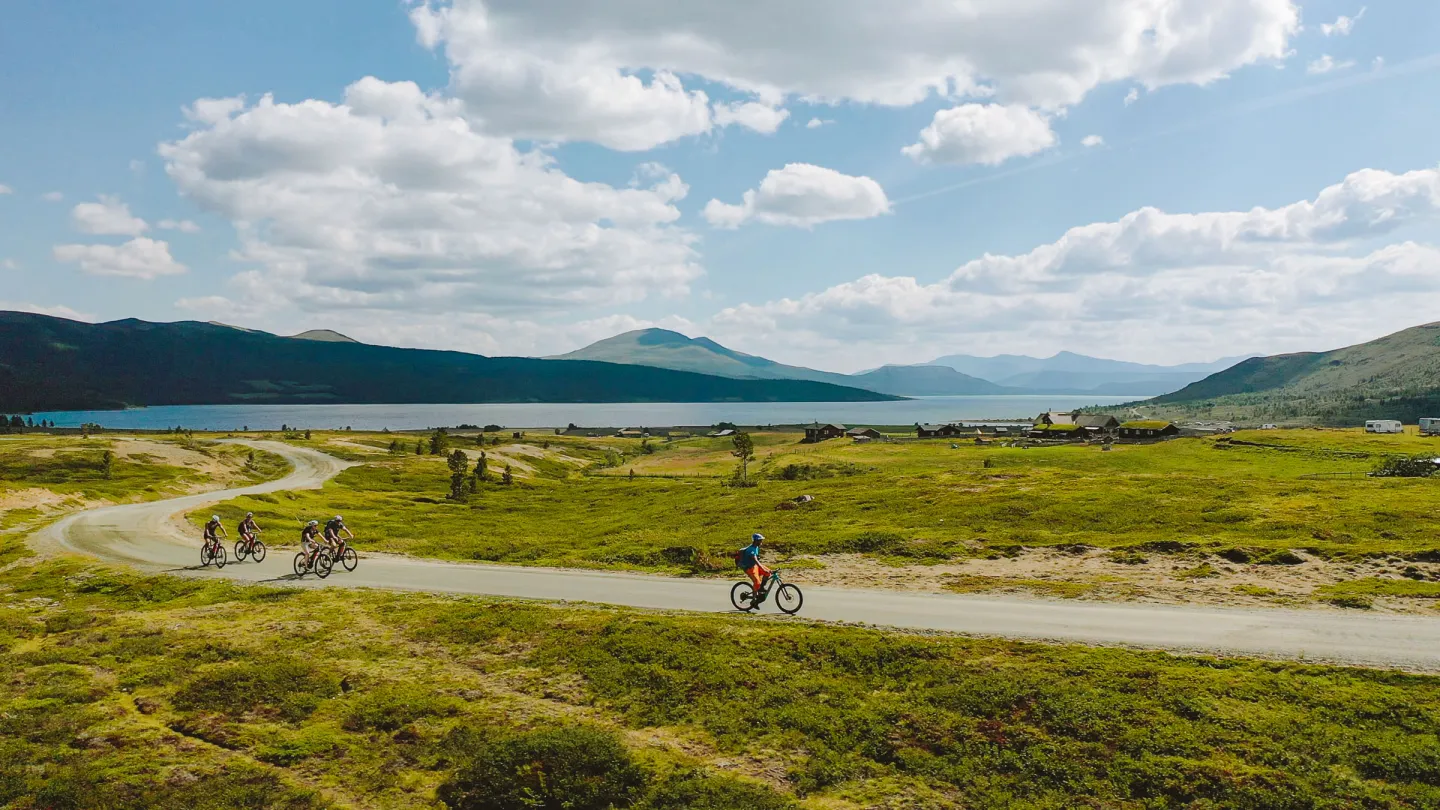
(739, 556)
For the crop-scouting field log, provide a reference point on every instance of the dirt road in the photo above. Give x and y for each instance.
(149, 536)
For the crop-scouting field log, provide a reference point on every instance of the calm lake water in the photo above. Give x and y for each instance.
(592, 414)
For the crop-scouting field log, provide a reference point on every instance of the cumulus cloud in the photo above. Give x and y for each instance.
(1327, 64)
(107, 217)
(762, 118)
(4, 189)
(1343, 25)
(1132, 96)
(52, 196)
(988, 134)
(139, 258)
(802, 195)
(393, 201)
(611, 72)
(816, 123)
(1092, 140)
(182, 225)
(1211, 283)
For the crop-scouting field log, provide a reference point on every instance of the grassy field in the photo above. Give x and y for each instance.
(910, 501)
(130, 691)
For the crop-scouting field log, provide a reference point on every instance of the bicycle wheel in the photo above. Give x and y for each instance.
(789, 599)
(300, 566)
(220, 558)
(349, 559)
(257, 551)
(742, 596)
(323, 565)
(240, 551)
(205, 554)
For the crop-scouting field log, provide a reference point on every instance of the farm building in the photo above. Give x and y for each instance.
(722, 434)
(1384, 426)
(1147, 429)
(1097, 423)
(632, 433)
(937, 431)
(863, 433)
(1056, 418)
(819, 433)
(1056, 432)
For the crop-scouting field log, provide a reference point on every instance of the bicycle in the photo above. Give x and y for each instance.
(212, 551)
(787, 597)
(249, 546)
(318, 561)
(345, 555)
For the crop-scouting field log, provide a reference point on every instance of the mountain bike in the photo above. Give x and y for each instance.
(318, 561)
(249, 546)
(345, 555)
(212, 551)
(787, 597)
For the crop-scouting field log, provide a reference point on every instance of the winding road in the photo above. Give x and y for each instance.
(151, 536)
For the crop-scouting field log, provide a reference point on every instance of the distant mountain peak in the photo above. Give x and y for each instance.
(324, 336)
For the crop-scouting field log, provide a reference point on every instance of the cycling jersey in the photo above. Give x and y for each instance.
(333, 527)
(749, 556)
(210, 529)
(247, 526)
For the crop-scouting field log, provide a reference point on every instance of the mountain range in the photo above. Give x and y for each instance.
(49, 363)
(1393, 377)
(953, 375)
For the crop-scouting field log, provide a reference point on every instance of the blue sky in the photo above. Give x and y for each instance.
(550, 179)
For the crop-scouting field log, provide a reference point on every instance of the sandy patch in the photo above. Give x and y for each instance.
(29, 498)
(152, 452)
(495, 462)
(1164, 579)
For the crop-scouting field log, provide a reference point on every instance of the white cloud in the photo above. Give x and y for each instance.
(816, 123)
(4, 189)
(1343, 25)
(1327, 64)
(1132, 96)
(1151, 285)
(52, 196)
(55, 311)
(392, 201)
(9, 264)
(611, 73)
(751, 114)
(182, 225)
(140, 258)
(802, 195)
(107, 217)
(211, 111)
(987, 134)
(1092, 140)
(1377, 63)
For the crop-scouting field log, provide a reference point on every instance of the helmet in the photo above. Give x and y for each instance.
(249, 515)
(756, 537)
(314, 523)
(339, 519)
(215, 518)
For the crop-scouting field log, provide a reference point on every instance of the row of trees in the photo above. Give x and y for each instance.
(18, 424)
(465, 482)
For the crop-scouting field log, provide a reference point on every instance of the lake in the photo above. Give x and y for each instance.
(589, 414)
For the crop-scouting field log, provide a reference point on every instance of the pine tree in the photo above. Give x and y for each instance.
(107, 464)
(482, 472)
(439, 442)
(506, 477)
(457, 463)
(420, 448)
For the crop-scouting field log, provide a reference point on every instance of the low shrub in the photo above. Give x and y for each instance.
(392, 707)
(290, 687)
(696, 790)
(1282, 557)
(576, 768)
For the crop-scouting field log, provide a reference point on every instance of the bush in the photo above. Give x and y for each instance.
(290, 687)
(1281, 558)
(695, 790)
(1406, 467)
(392, 708)
(577, 768)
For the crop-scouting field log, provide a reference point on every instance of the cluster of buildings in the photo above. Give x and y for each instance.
(1061, 425)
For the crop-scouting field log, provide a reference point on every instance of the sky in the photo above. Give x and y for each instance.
(831, 183)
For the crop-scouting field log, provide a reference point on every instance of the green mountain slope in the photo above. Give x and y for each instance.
(56, 364)
(662, 348)
(1394, 377)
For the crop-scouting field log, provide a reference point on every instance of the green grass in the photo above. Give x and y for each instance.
(128, 690)
(919, 501)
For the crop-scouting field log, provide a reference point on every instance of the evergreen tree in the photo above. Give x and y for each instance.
(482, 472)
(506, 477)
(307, 434)
(420, 448)
(107, 464)
(439, 442)
(457, 463)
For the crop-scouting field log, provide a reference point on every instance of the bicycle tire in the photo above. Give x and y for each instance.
(240, 551)
(300, 566)
(783, 597)
(205, 554)
(220, 558)
(349, 559)
(742, 596)
(257, 551)
(324, 565)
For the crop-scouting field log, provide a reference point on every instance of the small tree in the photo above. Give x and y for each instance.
(505, 477)
(107, 464)
(420, 448)
(457, 463)
(744, 450)
(439, 442)
(482, 472)
(250, 460)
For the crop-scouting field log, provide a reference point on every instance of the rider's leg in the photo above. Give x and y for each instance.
(756, 577)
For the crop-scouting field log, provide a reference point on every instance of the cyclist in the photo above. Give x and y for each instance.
(748, 559)
(333, 527)
(211, 528)
(307, 539)
(248, 530)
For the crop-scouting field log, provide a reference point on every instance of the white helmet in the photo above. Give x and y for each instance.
(314, 523)
(214, 518)
(339, 519)
(249, 515)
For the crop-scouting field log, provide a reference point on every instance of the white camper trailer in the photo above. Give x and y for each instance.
(1430, 426)
(1384, 426)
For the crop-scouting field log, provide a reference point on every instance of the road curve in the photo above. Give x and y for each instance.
(149, 536)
